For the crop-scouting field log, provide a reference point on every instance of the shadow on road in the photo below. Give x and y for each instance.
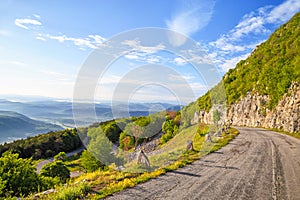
(185, 173)
(218, 166)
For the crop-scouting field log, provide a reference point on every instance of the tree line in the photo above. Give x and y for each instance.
(44, 145)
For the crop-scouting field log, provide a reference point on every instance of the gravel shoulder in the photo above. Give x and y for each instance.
(257, 164)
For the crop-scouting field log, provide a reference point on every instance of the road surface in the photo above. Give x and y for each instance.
(258, 164)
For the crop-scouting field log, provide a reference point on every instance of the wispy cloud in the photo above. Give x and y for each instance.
(226, 64)
(92, 41)
(135, 45)
(40, 38)
(195, 15)
(143, 57)
(18, 63)
(37, 16)
(141, 53)
(179, 61)
(26, 23)
(284, 11)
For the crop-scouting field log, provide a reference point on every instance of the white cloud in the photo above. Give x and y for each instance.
(224, 44)
(37, 16)
(195, 15)
(132, 56)
(141, 53)
(248, 25)
(179, 61)
(153, 60)
(135, 45)
(284, 11)
(18, 63)
(231, 63)
(143, 57)
(98, 40)
(25, 23)
(92, 41)
(40, 38)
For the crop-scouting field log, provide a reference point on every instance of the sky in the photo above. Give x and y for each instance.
(45, 44)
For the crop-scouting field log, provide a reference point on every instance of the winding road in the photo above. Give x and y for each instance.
(257, 164)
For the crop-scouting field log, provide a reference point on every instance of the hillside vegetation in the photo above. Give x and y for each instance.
(44, 145)
(269, 70)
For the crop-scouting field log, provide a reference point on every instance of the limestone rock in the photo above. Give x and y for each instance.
(251, 111)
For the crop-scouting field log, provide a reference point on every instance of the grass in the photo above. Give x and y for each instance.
(99, 184)
(73, 163)
(296, 135)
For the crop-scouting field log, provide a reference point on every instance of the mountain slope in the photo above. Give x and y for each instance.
(271, 67)
(14, 125)
(262, 90)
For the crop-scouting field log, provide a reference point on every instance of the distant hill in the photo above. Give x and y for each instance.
(61, 112)
(14, 125)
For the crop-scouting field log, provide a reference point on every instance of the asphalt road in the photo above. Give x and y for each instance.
(257, 164)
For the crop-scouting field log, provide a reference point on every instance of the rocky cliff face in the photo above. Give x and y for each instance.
(251, 111)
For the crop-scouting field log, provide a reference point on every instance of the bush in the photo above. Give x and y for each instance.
(89, 162)
(166, 137)
(60, 156)
(56, 169)
(17, 176)
(47, 183)
(69, 193)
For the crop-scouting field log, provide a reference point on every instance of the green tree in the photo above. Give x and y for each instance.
(168, 126)
(47, 183)
(126, 141)
(2, 186)
(102, 148)
(17, 176)
(89, 162)
(56, 169)
(60, 156)
(216, 116)
(112, 131)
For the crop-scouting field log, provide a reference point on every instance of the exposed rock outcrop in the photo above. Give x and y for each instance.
(251, 111)
(207, 118)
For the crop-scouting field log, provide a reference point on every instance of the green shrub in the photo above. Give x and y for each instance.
(56, 169)
(70, 193)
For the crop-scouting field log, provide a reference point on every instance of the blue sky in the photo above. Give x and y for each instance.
(43, 44)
